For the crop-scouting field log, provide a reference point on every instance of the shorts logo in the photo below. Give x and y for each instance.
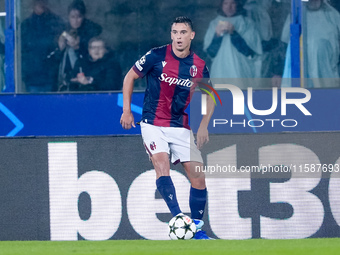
(193, 71)
(153, 146)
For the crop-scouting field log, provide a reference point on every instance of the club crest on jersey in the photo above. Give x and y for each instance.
(153, 146)
(193, 71)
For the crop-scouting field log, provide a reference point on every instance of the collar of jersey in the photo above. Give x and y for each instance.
(174, 55)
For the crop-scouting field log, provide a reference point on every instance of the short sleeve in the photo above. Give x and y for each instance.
(145, 63)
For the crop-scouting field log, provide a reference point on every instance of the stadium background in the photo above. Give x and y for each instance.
(126, 25)
(69, 172)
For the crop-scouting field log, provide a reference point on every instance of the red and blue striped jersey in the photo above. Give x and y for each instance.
(170, 85)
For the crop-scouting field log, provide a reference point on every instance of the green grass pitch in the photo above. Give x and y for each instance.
(189, 247)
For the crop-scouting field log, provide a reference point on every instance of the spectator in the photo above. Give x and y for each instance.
(70, 44)
(233, 43)
(322, 49)
(86, 29)
(258, 12)
(73, 43)
(39, 34)
(99, 71)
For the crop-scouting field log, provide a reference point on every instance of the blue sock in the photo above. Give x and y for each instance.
(168, 192)
(197, 201)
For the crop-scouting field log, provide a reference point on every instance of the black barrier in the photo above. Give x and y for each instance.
(99, 188)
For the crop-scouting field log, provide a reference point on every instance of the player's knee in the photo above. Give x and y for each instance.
(198, 183)
(161, 165)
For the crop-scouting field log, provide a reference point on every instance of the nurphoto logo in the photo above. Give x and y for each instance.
(239, 105)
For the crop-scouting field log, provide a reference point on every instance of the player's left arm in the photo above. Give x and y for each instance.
(202, 133)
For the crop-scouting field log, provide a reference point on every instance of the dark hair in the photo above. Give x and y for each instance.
(73, 32)
(79, 6)
(239, 8)
(183, 19)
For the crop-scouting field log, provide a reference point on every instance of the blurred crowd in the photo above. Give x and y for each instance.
(240, 43)
(246, 39)
(66, 57)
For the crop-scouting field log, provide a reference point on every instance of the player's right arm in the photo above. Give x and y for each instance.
(139, 70)
(127, 119)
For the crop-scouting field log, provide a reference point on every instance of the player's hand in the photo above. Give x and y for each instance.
(202, 136)
(127, 120)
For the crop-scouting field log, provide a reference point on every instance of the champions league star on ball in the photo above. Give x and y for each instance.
(182, 227)
(172, 71)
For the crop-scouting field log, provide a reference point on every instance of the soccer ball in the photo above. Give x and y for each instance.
(181, 227)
